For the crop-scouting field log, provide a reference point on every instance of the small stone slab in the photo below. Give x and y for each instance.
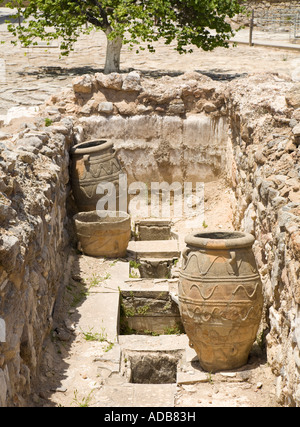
(166, 249)
(163, 343)
(192, 377)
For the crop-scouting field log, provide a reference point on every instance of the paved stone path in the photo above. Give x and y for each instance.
(77, 371)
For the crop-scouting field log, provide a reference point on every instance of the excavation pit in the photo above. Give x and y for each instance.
(147, 308)
(222, 134)
(151, 367)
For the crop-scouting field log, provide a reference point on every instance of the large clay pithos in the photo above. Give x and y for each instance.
(220, 295)
(93, 162)
(102, 235)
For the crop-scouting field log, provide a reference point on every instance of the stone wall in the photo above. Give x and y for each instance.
(265, 8)
(174, 128)
(165, 147)
(34, 249)
(272, 5)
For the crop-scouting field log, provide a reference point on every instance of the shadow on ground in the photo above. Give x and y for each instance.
(50, 71)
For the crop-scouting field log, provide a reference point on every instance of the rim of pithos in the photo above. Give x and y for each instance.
(94, 217)
(91, 146)
(220, 239)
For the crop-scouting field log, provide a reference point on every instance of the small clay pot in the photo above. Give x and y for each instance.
(103, 236)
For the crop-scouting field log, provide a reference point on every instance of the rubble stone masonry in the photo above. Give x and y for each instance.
(34, 250)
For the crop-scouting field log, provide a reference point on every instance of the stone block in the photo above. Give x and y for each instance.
(3, 389)
(293, 97)
(6, 211)
(83, 84)
(176, 107)
(126, 108)
(106, 107)
(192, 377)
(9, 249)
(200, 130)
(132, 82)
(163, 249)
(296, 130)
(153, 324)
(297, 332)
(155, 267)
(109, 81)
(296, 244)
(2, 330)
(153, 229)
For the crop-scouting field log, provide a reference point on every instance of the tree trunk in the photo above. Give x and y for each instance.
(113, 54)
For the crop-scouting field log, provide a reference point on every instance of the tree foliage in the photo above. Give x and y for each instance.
(201, 23)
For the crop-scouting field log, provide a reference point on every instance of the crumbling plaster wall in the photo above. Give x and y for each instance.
(165, 147)
(161, 129)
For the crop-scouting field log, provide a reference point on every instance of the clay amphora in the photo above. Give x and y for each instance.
(220, 296)
(103, 236)
(93, 162)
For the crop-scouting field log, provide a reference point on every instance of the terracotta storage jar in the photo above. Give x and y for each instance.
(220, 295)
(93, 162)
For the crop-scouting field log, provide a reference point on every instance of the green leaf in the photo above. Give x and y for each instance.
(201, 23)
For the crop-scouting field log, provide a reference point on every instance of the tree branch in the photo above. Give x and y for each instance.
(103, 14)
(103, 23)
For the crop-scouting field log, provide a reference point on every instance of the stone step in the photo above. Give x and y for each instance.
(165, 249)
(150, 343)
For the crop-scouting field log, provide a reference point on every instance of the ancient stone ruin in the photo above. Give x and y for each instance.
(239, 137)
